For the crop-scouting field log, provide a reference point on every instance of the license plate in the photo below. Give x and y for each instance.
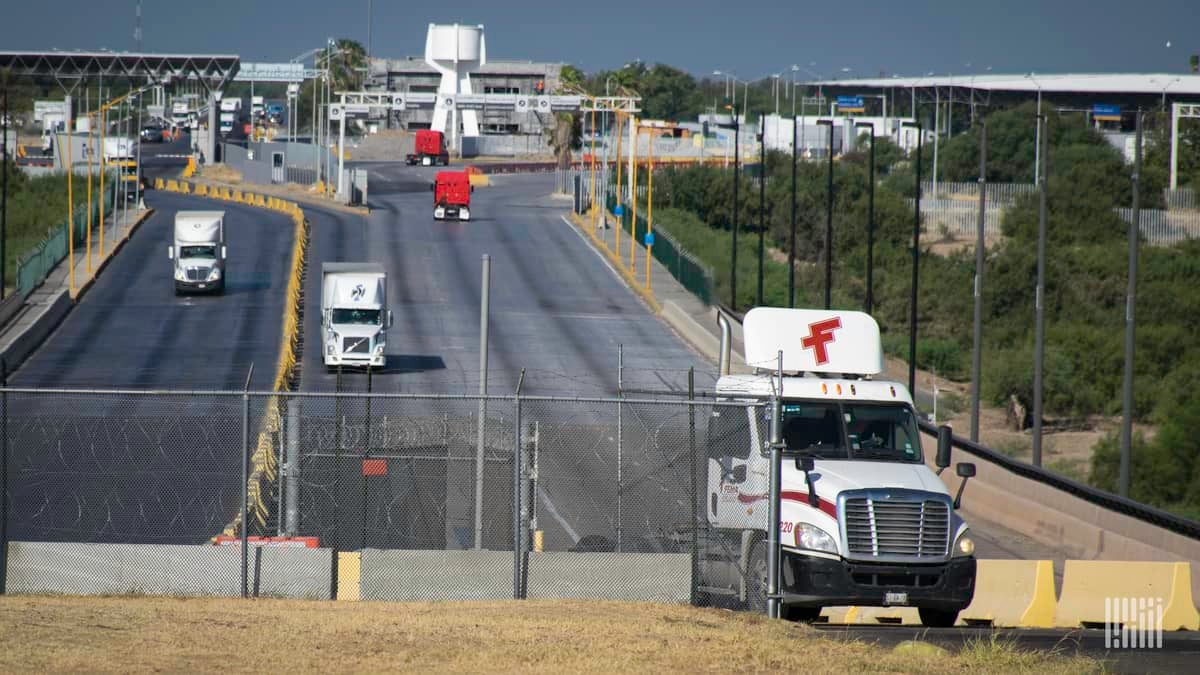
(201, 285)
(895, 599)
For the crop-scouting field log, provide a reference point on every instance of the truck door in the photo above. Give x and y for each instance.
(737, 472)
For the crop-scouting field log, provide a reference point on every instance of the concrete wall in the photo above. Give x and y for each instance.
(436, 575)
(154, 569)
(253, 171)
(505, 146)
(646, 577)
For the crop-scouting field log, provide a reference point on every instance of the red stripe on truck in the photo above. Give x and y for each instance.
(802, 498)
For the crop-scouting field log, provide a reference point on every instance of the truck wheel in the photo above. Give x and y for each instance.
(937, 618)
(756, 579)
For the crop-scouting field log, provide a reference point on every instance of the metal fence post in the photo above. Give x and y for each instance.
(518, 543)
(773, 507)
(695, 495)
(292, 469)
(3, 474)
(620, 395)
(484, 303)
(366, 456)
(245, 485)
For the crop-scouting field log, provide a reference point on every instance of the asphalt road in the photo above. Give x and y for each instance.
(557, 311)
(1179, 652)
(148, 468)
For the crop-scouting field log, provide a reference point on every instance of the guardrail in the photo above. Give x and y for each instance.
(1102, 498)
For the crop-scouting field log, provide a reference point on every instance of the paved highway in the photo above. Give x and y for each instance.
(148, 469)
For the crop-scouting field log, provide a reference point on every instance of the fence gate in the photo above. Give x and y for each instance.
(277, 168)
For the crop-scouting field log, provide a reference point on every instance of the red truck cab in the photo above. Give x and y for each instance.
(452, 195)
(429, 149)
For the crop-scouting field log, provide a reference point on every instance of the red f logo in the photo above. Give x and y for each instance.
(819, 334)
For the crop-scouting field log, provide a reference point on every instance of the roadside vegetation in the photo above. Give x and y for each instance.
(60, 634)
(1086, 277)
(35, 206)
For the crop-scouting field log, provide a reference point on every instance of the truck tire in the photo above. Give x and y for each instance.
(937, 618)
(756, 578)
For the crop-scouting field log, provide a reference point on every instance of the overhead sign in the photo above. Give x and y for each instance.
(1106, 112)
(271, 72)
(853, 104)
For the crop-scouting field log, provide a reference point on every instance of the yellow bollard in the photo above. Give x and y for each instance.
(158, 183)
(202, 190)
(236, 196)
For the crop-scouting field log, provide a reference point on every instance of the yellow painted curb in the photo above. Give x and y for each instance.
(618, 264)
(349, 577)
(1013, 593)
(1090, 585)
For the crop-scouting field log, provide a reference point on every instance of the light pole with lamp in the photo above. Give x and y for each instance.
(916, 260)
(1037, 143)
(792, 239)
(829, 219)
(870, 302)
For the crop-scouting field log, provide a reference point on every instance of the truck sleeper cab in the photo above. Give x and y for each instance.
(863, 520)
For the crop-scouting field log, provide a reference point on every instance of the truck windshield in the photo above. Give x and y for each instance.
(851, 431)
(209, 252)
(368, 317)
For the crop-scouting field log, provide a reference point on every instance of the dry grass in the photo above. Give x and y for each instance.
(165, 634)
(220, 173)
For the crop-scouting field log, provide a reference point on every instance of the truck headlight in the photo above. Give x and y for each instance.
(214, 274)
(379, 349)
(179, 274)
(964, 547)
(814, 538)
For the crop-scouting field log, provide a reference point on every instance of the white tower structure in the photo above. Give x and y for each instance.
(454, 51)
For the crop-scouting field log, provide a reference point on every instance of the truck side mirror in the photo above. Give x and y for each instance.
(943, 448)
(737, 474)
(965, 470)
(806, 463)
(224, 252)
(391, 318)
(432, 187)
(170, 253)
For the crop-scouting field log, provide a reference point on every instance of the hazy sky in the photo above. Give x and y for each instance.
(866, 37)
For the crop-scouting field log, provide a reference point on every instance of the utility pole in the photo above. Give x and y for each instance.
(870, 303)
(1039, 304)
(916, 260)
(1130, 301)
(829, 220)
(792, 244)
(733, 238)
(977, 346)
(762, 200)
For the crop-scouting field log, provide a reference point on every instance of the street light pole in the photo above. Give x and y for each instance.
(733, 238)
(762, 201)
(1130, 301)
(870, 303)
(1039, 303)
(916, 260)
(977, 340)
(792, 244)
(829, 219)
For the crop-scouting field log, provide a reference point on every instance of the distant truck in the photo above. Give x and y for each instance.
(257, 107)
(354, 314)
(452, 195)
(121, 156)
(199, 251)
(275, 113)
(231, 109)
(429, 149)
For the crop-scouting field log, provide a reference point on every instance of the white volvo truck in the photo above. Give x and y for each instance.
(354, 314)
(863, 520)
(199, 251)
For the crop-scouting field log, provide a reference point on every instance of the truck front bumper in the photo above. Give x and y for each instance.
(809, 581)
(199, 286)
(355, 361)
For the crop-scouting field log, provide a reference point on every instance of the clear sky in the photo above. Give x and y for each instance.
(752, 39)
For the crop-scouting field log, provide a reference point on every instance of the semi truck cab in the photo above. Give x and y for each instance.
(863, 520)
(198, 251)
(354, 314)
(452, 195)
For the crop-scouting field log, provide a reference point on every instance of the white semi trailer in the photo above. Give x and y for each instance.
(354, 314)
(199, 251)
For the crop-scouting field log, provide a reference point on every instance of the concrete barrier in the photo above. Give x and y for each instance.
(648, 577)
(304, 573)
(38, 331)
(436, 575)
(123, 569)
(349, 576)
(1088, 584)
(872, 615)
(1012, 593)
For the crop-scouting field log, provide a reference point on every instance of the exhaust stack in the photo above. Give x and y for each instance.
(726, 343)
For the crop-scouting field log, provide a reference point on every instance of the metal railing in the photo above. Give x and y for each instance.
(36, 264)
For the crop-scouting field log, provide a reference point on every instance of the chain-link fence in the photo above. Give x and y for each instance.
(370, 496)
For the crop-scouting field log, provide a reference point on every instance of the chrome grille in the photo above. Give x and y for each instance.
(356, 345)
(896, 527)
(197, 274)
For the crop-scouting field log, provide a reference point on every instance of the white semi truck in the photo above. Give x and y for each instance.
(199, 251)
(863, 520)
(354, 314)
